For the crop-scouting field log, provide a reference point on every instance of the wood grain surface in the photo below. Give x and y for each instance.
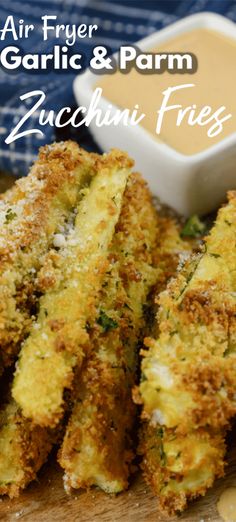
(46, 501)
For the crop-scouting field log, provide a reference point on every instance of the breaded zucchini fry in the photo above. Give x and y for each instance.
(30, 214)
(182, 445)
(189, 371)
(180, 467)
(59, 339)
(97, 448)
(23, 450)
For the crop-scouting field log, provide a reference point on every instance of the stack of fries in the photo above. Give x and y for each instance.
(83, 253)
(188, 386)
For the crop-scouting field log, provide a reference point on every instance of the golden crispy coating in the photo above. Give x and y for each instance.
(97, 446)
(186, 373)
(59, 339)
(23, 450)
(30, 214)
(81, 240)
(190, 370)
(180, 467)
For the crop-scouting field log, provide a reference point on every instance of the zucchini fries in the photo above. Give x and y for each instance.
(189, 371)
(179, 467)
(23, 449)
(97, 448)
(83, 255)
(59, 338)
(31, 213)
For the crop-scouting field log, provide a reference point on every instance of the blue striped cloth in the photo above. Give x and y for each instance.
(119, 22)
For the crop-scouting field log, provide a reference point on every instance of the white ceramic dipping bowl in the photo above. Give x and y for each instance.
(190, 184)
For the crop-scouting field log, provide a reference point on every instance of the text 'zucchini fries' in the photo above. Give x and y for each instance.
(30, 214)
(59, 339)
(97, 447)
(188, 386)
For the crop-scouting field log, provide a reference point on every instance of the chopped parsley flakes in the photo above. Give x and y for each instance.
(106, 322)
(10, 215)
(193, 227)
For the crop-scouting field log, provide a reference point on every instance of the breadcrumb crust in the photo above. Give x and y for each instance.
(97, 448)
(188, 384)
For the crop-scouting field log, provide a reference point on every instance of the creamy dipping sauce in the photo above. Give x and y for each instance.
(227, 505)
(215, 82)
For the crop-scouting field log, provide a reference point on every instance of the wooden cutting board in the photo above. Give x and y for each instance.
(46, 501)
